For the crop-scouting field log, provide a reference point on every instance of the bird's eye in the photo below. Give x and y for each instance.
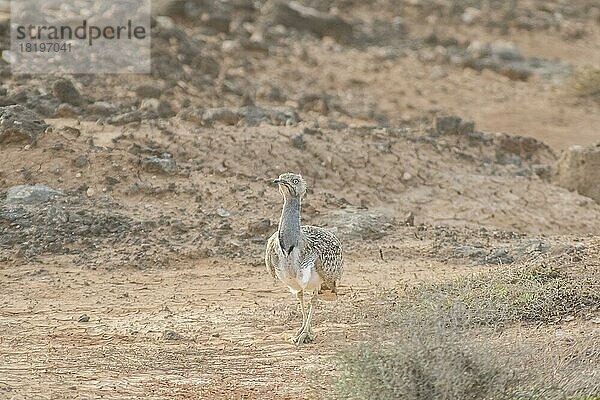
(296, 181)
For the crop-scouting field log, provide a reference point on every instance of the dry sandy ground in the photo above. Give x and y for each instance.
(231, 327)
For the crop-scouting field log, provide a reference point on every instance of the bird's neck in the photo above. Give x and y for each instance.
(289, 225)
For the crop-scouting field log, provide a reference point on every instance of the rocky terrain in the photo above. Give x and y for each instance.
(439, 140)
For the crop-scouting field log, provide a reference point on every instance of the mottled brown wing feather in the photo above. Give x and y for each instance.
(329, 263)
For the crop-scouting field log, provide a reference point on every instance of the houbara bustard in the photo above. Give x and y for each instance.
(308, 259)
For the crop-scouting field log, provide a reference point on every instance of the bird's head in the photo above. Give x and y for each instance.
(291, 185)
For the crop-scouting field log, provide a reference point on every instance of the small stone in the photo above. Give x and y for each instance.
(161, 108)
(66, 92)
(90, 192)
(171, 335)
(298, 16)
(66, 110)
(102, 108)
(111, 180)
(84, 318)
(298, 142)
(160, 164)
(452, 125)
(148, 91)
(81, 161)
(30, 194)
(407, 176)
(221, 212)
(219, 23)
(223, 115)
(18, 123)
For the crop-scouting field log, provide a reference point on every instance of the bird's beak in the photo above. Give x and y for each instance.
(277, 181)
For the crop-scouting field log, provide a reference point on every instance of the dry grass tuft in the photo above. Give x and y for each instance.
(586, 82)
(545, 289)
(416, 369)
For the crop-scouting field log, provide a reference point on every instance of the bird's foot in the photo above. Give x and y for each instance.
(304, 336)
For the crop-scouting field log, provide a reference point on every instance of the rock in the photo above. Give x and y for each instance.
(499, 256)
(362, 224)
(17, 123)
(148, 91)
(84, 318)
(127, 118)
(226, 116)
(170, 8)
(161, 108)
(31, 194)
(102, 108)
(33, 226)
(218, 22)
(81, 161)
(171, 335)
(452, 125)
(523, 147)
(578, 168)
(66, 110)
(278, 116)
(66, 92)
(43, 104)
(206, 66)
(223, 213)
(250, 115)
(295, 15)
(506, 59)
(165, 164)
(298, 142)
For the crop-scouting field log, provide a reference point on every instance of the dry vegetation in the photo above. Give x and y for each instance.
(453, 340)
(586, 82)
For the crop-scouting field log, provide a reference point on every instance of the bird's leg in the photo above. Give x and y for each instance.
(300, 296)
(308, 327)
(306, 335)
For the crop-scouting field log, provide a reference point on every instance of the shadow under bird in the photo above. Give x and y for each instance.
(308, 259)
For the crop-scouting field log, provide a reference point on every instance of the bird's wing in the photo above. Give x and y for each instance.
(328, 251)
(271, 258)
(310, 260)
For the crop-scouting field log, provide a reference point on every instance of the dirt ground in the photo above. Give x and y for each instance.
(144, 276)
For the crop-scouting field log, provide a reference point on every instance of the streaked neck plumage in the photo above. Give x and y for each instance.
(290, 235)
